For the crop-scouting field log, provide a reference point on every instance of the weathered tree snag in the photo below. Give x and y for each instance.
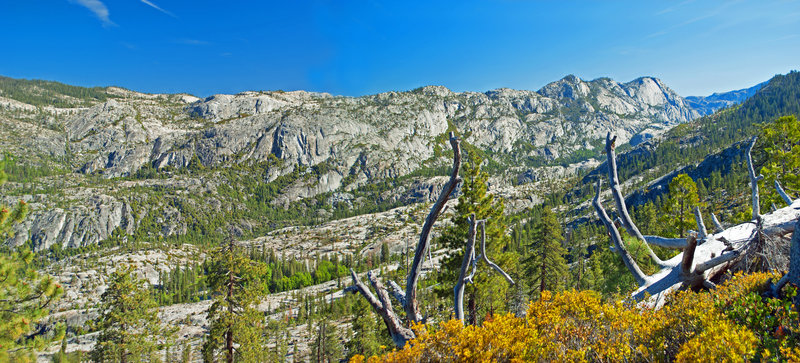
(471, 260)
(463, 279)
(632, 266)
(717, 226)
(697, 264)
(408, 299)
(786, 198)
(485, 257)
(701, 227)
(753, 180)
(619, 199)
(399, 333)
(411, 307)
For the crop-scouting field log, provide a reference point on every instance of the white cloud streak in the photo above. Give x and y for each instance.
(98, 8)
(154, 6)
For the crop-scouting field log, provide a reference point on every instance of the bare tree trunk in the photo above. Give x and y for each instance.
(408, 299)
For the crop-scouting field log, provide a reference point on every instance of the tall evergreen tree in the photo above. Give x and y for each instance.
(238, 285)
(678, 207)
(326, 347)
(544, 265)
(130, 330)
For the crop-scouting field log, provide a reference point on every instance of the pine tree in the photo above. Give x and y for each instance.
(326, 347)
(678, 207)
(545, 266)
(488, 294)
(24, 294)
(366, 330)
(238, 285)
(130, 330)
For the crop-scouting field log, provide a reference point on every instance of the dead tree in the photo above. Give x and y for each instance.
(704, 255)
(471, 260)
(408, 299)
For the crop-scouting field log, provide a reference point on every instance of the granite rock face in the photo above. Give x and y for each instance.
(348, 141)
(389, 134)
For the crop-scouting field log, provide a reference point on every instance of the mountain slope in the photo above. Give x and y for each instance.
(709, 104)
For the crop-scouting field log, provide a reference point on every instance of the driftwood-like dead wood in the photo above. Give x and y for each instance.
(619, 199)
(470, 259)
(717, 225)
(698, 263)
(408, 298)
(463, 279)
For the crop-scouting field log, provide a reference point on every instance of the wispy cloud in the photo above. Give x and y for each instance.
(672, 8)
(711, 14)
(98, 8)
(154, 6)
(191, 41)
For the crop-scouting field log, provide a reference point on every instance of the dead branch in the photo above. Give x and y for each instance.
(786, 198)
(697, 264)
(619, 199)
(701, 227)
(412, 307)
(408, 299)
(469, 257)
(717, 226)
(753, 180)
(486, 259)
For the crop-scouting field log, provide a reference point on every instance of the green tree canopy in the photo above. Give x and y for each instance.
(130, 330)
(238, 285)
(780, 142)
(544, 265)
(24, 293)
(677, 209)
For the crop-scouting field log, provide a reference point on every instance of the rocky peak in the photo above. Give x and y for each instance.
(570, 87)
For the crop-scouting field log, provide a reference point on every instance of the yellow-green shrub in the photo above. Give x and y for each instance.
(578, 326)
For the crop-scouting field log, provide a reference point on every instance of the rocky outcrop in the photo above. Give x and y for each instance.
(94, 220)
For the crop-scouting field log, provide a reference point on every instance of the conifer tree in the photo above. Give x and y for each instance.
(544, 265)
(678, 207)
(238, 285)
(25, 295)
(326, 347)
(130, 330)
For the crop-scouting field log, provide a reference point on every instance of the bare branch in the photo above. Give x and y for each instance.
(688, 255)
(638, 275)
(753, 179)
(619, 199)
(486, 259)
(717, 226)
(701, 227)
(716, 261)
(412, 307)
(398, 293)
(709, 285)
(469, 256)
(786, 198)
(676, 243)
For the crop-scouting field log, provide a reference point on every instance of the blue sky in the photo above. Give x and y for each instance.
(360, 47)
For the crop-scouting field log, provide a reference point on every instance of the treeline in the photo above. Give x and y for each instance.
(48, 93)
